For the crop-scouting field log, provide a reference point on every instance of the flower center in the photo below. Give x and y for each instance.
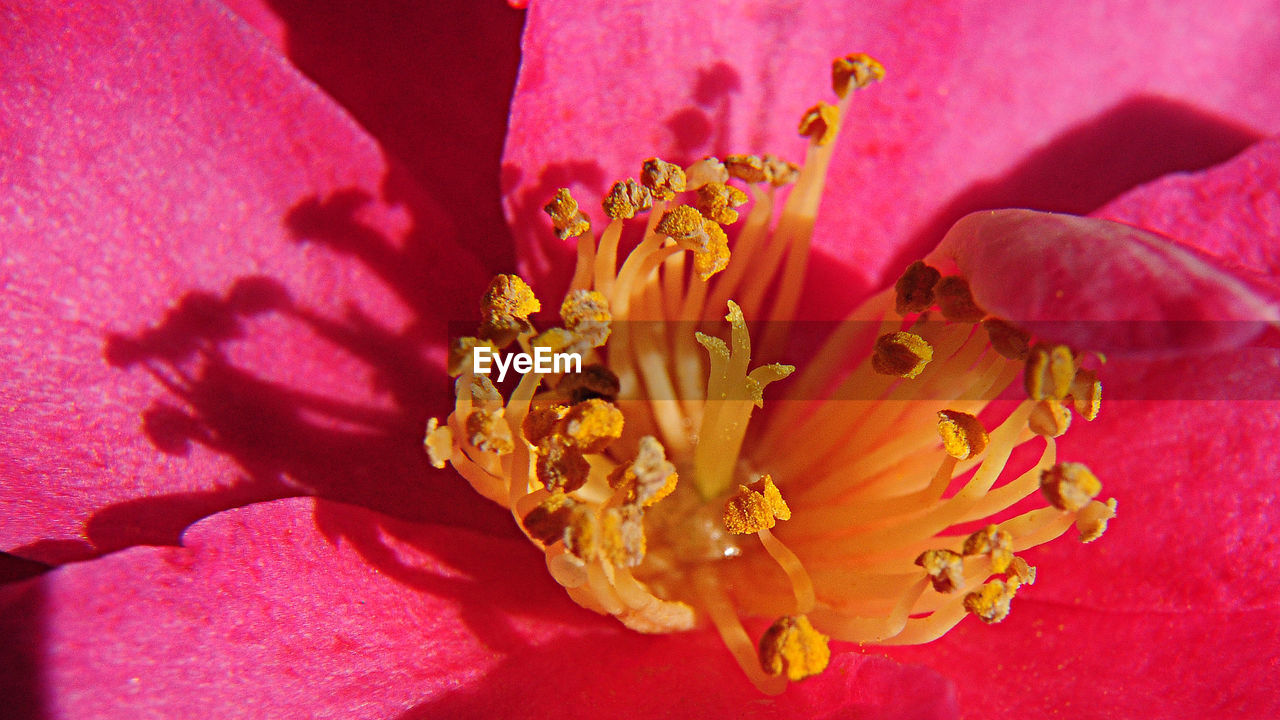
(878, 493)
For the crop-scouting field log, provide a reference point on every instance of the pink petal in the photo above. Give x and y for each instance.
(304, 608)
(1102, 286)
(1003, 104)
(217, 291)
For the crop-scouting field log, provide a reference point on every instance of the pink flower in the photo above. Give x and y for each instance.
(223, 291)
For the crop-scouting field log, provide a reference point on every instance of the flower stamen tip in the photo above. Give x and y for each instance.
(901, 354)
(854, 71)
(820, 123)
(962, 434)
(566, 218)
(1069, 486)
(791, 646)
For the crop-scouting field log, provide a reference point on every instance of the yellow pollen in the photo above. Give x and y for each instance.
(542, 421)
(1050, 370)
(915, 288)
(439, 443)
(901, 354)
(549, 519)
(566, 218)
(707, 170)
(1069, 486)
(662, 178)
(1092, 520)
(854, 71)
(1086, 393)
(779, 172)
(715, 257)
(945, 569)
(625, 199)
(792, 647)
(683, 222)
(991, 602)
(461, 351)
(1050, 418)
(717, 201)
(488, 431)
(586, 314)
(483, 393)
(993, 542)
(962, 435)
(747, 511)
(561, 466)
(820, 123)
(956, 301)
(1007, 340)
(1025, 574)
(621, 536)
(747, 168)
(506, 308)
(648, 478)
(592, 424)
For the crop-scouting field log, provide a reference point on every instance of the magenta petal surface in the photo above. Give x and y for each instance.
(1101, 285)
(984, 105)
(306, 608)
(216, 289)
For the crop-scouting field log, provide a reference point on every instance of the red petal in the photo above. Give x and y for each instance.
(173, 347)
(302, 608)
(1004, 104)
(1102, 286)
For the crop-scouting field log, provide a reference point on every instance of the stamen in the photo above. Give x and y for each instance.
(945, 569)
(901, 354)
(747, 168)
(1069, 486)
(566, 218)
(647, 479)
(991, 603)
(854, 71)
(962, 435)
(793, 648)
(592, 424)
(506, 308)
(707, 170)
(625, 199)
(956, 302)
(993, 542)
(1050, 370)
(488, 432)
(915, 288)
(1050, 418)
(717, 201)
(462, 351)
(662, 178)
(586, 314)
(1007, 340)
(821, 123)
(439, 443)
(1092, 520)
(561, 466)
(1086, 393)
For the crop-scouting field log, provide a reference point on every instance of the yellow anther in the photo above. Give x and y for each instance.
(962, 435)
(592, 424)
(956, 301)
(915, 288)
(462, 353)
(994, 543)
(506, 308)
(779, 172)
(595, 381)
(902, 354)
(648, 478)
(717, 201)
(755, 507)
(945, 569)
(1086, 393)
(854, 71)
(542, 421)
(556, 339)
(793, 648)
(772, 496)
(820, 123)
(586, 314)
(548, 521)
(683, 223)
(1069, 486)
(488, 431)
(663, 179)
(991, 602)
(707, 170)
(747, 168)
(625, 199)
(1092, 520)
(566, 218)
(484, 394)
(1007, 340)
(1049, 372)
(715, 256)
(439, 443)
(561, 466)
(582, 533)
(621, 538)
(1050, 418)
(1025, 574)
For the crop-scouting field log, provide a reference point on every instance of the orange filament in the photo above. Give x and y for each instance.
(643, 475)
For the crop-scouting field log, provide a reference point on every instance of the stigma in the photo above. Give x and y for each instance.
(667, 492)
